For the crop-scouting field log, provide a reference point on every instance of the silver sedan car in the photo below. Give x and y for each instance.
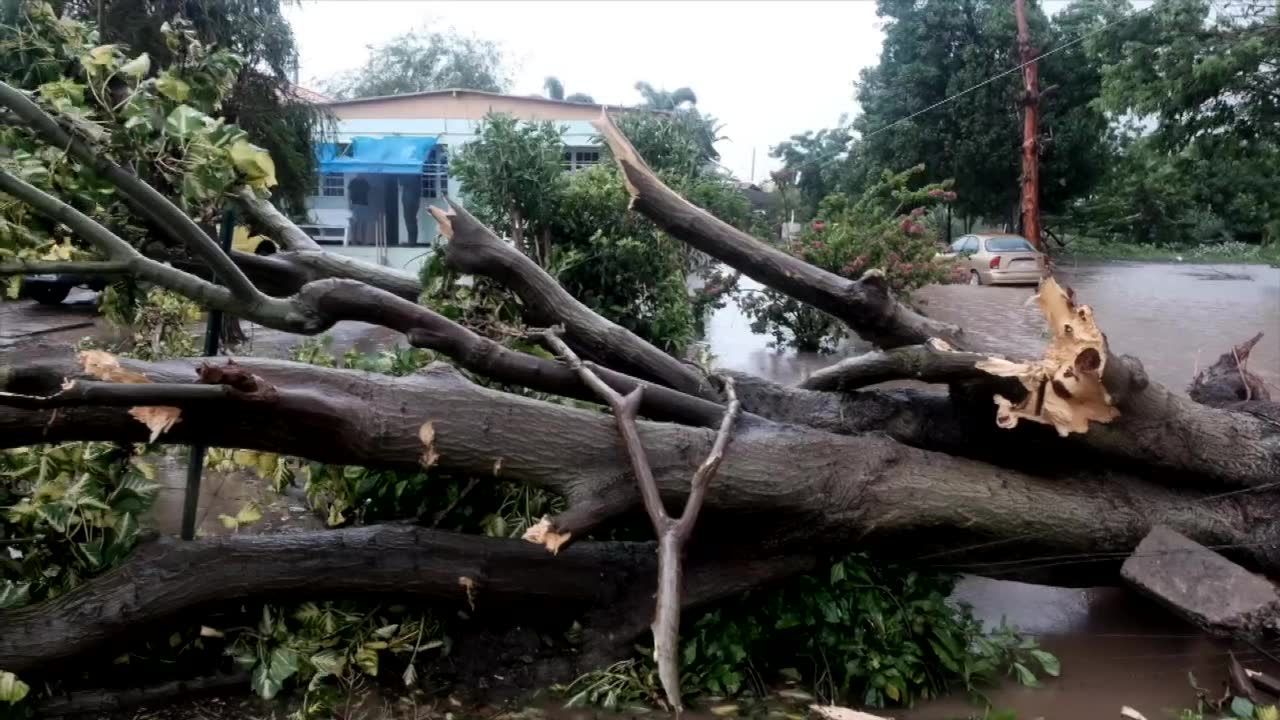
(998, 259)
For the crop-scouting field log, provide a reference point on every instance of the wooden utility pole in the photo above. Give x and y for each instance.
(1030, 130)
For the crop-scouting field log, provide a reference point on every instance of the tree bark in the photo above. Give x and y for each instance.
(814, 486)
(491, 578)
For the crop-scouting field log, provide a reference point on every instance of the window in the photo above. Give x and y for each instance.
(970, 246)
(1009, 243)
(579, 158)
(333, 185)
(435, 173)
(958, 245)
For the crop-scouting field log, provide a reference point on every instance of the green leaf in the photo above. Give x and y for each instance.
(138, 66)
(262, 683)
(1047, 661)
(173, 88)
(254, 163)
(837, 573)
(101, 56)
(1241, 707)
(284, 664)
(248, 515)
(12, 690)
(1025, 676)
(184, 121)
(328, 662)
(367, 660)
(14, 594)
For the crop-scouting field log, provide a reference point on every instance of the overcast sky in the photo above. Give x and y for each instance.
(767, 70)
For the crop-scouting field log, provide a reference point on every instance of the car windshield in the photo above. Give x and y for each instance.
(1008, 243)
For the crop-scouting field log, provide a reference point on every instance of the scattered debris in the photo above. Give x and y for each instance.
(427, 434)
(835, 712)
(106, 367)
(1064, 388)
(543, 534)
(1214, 593)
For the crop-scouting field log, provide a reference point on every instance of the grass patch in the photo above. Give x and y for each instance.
(1227, 252)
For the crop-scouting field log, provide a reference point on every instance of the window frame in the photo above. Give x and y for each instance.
(434, 180)
(325, 190)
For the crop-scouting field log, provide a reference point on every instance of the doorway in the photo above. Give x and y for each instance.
(391, 209)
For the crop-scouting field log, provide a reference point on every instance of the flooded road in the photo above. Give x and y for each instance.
(1176, 317)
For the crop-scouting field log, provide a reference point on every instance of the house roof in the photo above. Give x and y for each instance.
(455, 92)
(309, 95)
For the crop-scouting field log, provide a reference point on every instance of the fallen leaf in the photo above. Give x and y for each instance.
(106, 367)
(542, 534)
(725, 710)
(1132, 714)
(158, 419)
(835, 712)
(206, 631)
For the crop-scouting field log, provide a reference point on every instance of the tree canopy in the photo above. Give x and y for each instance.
(425, 60)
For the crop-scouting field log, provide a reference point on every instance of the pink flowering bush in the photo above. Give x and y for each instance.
(887, 228)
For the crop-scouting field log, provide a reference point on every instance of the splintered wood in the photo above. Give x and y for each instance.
(106, 367)
(1064, 388)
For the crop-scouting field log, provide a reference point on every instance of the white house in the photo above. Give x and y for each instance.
(390, 162)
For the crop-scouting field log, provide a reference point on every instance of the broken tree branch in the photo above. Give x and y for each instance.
(474, 249)
(66, 267)
(672, 534)
(931, 363)
(140, 196)
(865, 305)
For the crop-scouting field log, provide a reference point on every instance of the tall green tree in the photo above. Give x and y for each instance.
(945, 52)
(1204, 78)
(425, 60)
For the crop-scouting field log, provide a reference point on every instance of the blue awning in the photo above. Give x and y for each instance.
(385, 155)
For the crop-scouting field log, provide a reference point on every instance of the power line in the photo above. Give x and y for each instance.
(1010, 71)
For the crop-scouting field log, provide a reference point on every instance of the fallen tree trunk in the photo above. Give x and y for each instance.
(166, 578)
(814, 485)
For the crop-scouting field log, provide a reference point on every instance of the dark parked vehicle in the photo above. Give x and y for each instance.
(53, 288)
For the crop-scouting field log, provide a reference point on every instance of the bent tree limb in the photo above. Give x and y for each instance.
(140, 196)
(866, 305)
(672, 534)
(474, 249)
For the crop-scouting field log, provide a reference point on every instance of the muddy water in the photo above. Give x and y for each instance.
(1116, 648)
(1176, 317)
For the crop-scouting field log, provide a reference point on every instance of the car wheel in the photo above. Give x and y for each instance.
(49, 294)
(974, 278)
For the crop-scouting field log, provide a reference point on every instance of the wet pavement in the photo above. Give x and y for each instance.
(1175, 317)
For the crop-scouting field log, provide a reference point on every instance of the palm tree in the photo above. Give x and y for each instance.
(555, 91)
(554, 88)
(666, 99)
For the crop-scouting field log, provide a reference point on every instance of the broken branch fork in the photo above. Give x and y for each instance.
(672, 533)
